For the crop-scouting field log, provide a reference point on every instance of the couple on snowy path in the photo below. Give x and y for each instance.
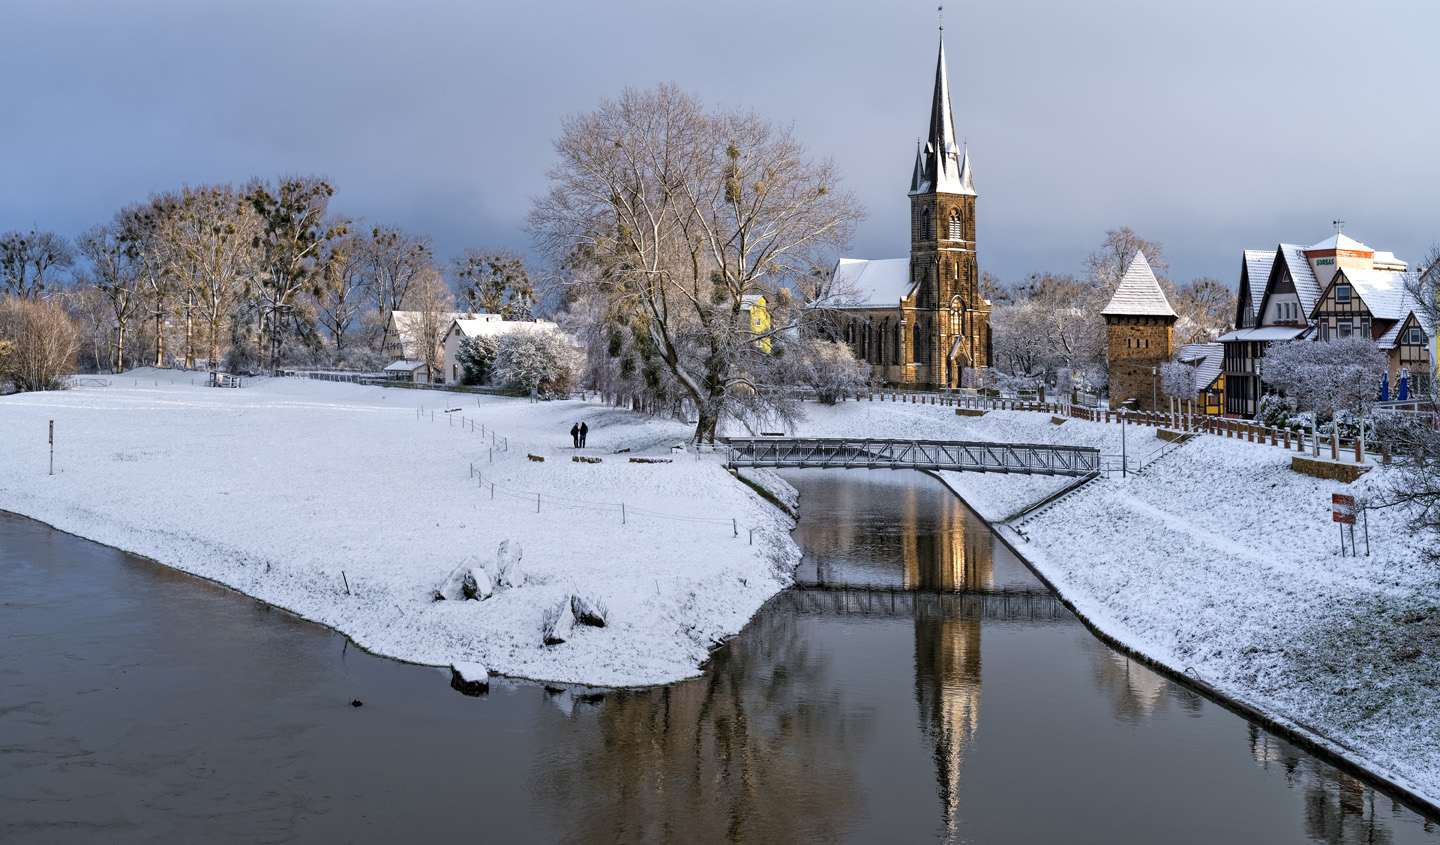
(577, 434)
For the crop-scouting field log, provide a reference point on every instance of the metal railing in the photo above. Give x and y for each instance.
(871, 453)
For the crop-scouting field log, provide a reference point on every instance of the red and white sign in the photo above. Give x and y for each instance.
(1342, 508)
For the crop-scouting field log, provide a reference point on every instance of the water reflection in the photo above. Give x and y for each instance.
(762, 748)
(947, 689)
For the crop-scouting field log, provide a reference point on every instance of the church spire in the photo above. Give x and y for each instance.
(944, 172)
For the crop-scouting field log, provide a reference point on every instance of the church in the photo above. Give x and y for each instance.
(920, 322)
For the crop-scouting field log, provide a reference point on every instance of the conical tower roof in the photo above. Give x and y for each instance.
(1139, 293)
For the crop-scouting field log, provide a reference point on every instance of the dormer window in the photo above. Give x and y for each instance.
(1342, 294)
(1414, 337)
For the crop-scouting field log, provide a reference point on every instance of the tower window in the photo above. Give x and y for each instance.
(926, 232)
(957, 229)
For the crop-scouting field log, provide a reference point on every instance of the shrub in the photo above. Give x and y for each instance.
(38, 344)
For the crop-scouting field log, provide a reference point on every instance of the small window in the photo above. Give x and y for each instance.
(1342, 294)
(1365, 328)
(1342, 329)
(1414, 336)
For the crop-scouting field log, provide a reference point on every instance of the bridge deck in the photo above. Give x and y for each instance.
(1023, 606)
(875, 453)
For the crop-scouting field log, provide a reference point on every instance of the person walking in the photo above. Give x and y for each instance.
(575, 435)
(584, 430)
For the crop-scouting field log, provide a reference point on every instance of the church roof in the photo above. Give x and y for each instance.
(877, 283)
(1139, 294)
(942, 166)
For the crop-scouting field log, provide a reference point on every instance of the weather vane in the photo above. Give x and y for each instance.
(940, 13)
(1338, 224)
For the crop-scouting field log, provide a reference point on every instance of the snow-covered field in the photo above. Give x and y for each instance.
(289, 490)
(1221, 562)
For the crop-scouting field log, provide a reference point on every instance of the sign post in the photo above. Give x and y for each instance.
(1342, 511)
(52, 447)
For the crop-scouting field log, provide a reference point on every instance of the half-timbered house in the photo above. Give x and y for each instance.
(1335, 288)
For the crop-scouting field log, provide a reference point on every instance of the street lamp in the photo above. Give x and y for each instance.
(1154, 395)
(1124, 461)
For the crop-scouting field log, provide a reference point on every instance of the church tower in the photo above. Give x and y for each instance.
(949, 321)
(1138, 332)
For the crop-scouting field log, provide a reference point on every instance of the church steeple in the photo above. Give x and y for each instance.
(940, 169)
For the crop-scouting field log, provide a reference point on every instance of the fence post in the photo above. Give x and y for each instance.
(537, 502)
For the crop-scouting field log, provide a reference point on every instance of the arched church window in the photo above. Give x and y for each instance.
(957, 316)
(917, 346)
(957, 226)
(926, 232)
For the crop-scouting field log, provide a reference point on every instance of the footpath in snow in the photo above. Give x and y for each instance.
(343, 504)
(1220, 562)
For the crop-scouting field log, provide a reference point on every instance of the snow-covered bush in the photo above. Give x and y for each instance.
(534, 359)
(1178, 380)
(1275, 410)
(831, 370)
(477, 358)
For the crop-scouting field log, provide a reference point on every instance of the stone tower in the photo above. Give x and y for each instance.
(1139, 326)
(948, 320)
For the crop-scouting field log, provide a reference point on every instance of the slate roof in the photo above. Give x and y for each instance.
(1264, 333)
(878, 283)
(1139, 294)
(1208, 358)
(1307, 288)
(1257, 268)
(1382, 290)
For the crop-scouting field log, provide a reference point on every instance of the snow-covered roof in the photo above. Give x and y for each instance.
(1307, 288)
(404, 366)
(1339, 241)
(878, 283)
(1383, 291)
(1263, 334)
(409, 325)
(1139, 294)
(1257, 270)
(1388, 261)
(493, 324)
(748, 300)
(1208, 358)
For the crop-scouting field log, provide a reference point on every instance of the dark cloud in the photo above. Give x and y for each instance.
(1212, 127)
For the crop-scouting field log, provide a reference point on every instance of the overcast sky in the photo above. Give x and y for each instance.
(1210, 126)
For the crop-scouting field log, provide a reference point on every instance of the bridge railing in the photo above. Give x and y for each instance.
(872, 453)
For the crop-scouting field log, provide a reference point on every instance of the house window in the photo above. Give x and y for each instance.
(1324, 331)
(1365, 328)
(1342, 329)
(1414, 337)
(1342, 294)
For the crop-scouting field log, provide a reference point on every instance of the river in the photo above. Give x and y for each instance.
(923, 686)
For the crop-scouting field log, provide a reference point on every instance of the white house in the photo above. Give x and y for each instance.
(466, 326)
(415, 372)
(404, 330)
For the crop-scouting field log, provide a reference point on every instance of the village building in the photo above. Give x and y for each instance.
(1336, 288)
(1139, 337)
(920, 322)
(467, 326)
(1208, 361)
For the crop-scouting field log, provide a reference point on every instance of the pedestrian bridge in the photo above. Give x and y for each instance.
(1032, 606)
(871, 453)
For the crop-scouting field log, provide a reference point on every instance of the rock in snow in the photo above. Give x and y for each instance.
(477, 584)
(470, 678)
(454, 587)
(559, 624)
(507, 565)
(588, 611)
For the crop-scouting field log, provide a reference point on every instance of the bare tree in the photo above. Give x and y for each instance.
(1106, 265)
(28, 262)
(113, 273)
(1206, 308)
(40, 342)
(682, 214)
(390, 260)
(427, 294)
(292, 231)
(340, 291)
(494, 280)
(212, 230)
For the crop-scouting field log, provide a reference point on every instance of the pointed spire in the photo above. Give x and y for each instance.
(1139, 293)
(943, 172)
(918, 178)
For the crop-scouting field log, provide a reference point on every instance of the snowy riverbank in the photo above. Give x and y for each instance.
(278, 488)
(1220, 562)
